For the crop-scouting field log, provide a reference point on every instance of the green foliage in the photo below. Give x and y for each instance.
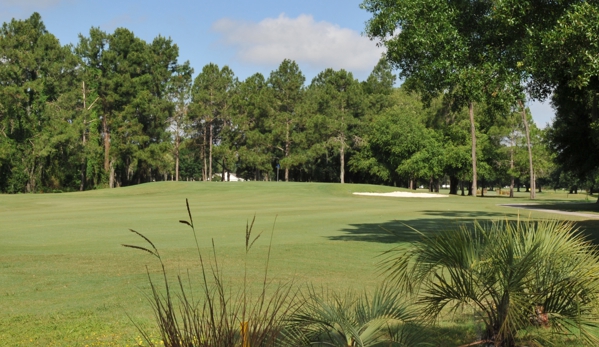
(440, 46)
(379, 86)
(339, 108)
(400, 146)
(441, 49)
(115, 110)
(517, 276)
(350, 319)
(211, 112)
(179, 95)
(34, 129)
(287, 87)
(131, 79)
(554, 46)
(575, 133)
(253, 136)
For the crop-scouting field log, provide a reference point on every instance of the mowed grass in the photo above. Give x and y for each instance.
(65, 279)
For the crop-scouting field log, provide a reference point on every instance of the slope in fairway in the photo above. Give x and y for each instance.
(65, 279)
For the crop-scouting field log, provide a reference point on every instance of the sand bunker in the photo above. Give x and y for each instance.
(404, 195)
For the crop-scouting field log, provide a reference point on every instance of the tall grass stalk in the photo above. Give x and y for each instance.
(219, 316)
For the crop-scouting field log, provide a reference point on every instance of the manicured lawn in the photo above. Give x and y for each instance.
(65, 279)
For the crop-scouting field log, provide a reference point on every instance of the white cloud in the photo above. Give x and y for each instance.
(317, 44)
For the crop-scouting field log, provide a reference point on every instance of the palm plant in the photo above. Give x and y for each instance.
(517, 276)
(348, 320)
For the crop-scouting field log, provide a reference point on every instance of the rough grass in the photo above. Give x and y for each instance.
(65, 280)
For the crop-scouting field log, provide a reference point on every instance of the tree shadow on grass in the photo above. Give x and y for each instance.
(479, 215)
(590, 228)
(563, 206)
(404, 231)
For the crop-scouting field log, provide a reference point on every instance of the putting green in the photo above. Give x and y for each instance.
(65, 279)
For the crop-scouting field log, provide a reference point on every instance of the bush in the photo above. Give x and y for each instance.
(518, 276)
(351, 319)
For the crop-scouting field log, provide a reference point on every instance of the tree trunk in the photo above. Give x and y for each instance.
(106, 143)
(453, 185)
(203, 154)
(111, 177)
(512, 187)
(30, 186)
(473, 134)
(287, 152)
(342, 157)
(83, 175)
(83, 165)
(595, 108)
(224, 170)
(210, 155)
(84, 160)
(482, 187)
(526, 129)
(177, 143)
(512, 167)
(462, 186)
(595, 115)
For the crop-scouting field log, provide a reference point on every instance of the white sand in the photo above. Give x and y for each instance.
(404, 195)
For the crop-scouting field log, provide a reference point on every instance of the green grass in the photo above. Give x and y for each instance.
(65, 279)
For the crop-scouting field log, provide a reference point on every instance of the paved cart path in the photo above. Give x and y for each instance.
(534, 207)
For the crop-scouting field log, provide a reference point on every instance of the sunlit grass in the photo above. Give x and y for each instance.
(64, 275)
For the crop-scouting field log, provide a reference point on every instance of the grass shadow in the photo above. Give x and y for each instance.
(478, 215)
(566, 206)
(405, 231)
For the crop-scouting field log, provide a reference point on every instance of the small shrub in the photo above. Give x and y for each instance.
(518, 276)
(382, 319)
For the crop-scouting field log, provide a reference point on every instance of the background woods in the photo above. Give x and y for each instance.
(115, 110)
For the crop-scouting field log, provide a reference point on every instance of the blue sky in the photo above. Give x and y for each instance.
(249, 36)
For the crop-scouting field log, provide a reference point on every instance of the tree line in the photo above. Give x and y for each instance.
(114, 110)
(487, 52)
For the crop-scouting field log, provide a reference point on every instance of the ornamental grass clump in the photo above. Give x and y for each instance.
(215, 315)
(525, 279)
